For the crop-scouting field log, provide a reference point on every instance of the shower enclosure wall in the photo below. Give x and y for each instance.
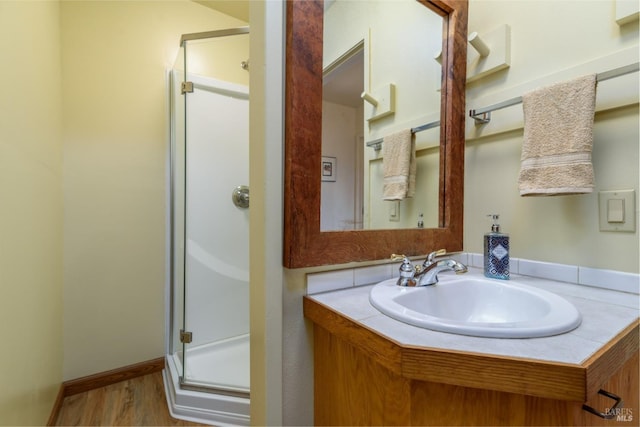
(207, 374)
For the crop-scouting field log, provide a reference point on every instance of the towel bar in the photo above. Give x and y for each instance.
(483, 115)
(377, 143)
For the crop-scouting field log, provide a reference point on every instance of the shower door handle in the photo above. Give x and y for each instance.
(240, 196)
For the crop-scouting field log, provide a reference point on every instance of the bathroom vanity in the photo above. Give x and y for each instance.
(372, 370)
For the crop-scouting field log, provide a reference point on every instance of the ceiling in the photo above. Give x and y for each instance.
(344, 84)
(236, 8)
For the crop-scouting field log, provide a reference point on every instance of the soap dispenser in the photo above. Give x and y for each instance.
(496, 252)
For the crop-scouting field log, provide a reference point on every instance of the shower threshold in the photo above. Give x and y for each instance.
(216, 389)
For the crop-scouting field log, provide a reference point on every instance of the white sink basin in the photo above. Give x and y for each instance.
(478, 306)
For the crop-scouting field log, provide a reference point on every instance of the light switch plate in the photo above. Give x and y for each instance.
(394, 211)
(611, 218)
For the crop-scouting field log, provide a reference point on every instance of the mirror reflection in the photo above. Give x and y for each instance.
(385, 49)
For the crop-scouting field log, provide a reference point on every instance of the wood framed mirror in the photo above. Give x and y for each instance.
(305, 245)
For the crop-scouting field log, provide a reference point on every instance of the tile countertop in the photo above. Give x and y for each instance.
(605, 313)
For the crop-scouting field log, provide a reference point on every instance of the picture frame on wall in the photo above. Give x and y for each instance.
(329, 170)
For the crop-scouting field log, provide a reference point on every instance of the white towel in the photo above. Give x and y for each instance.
(399, 165)
(558, 138)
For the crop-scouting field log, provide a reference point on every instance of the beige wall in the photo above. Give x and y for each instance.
(113, 96)
(103, 65)
(219, 58)
(114, 58)
(265, 216)
(341, 127)
(562, 229)
(30, 211)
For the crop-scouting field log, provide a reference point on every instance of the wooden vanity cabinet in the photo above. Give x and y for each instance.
(364, 378)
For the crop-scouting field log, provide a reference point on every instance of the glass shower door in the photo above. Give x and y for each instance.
(213, 162)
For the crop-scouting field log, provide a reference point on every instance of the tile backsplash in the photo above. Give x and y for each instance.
(607, 279)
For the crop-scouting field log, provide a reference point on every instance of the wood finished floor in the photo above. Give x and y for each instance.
(137, 402)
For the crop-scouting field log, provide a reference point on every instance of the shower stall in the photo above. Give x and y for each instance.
(207, 371)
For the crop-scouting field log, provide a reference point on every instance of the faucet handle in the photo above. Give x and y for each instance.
(407, 271)
(406, 267)
(432, 255)
(396, 257)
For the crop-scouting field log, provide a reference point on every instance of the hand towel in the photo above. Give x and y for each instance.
(558, 137)
(399, 165)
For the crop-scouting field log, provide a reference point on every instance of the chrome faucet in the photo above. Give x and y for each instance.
(427, 273)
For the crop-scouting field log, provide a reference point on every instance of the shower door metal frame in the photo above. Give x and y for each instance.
(172, 245)
(213, 34)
